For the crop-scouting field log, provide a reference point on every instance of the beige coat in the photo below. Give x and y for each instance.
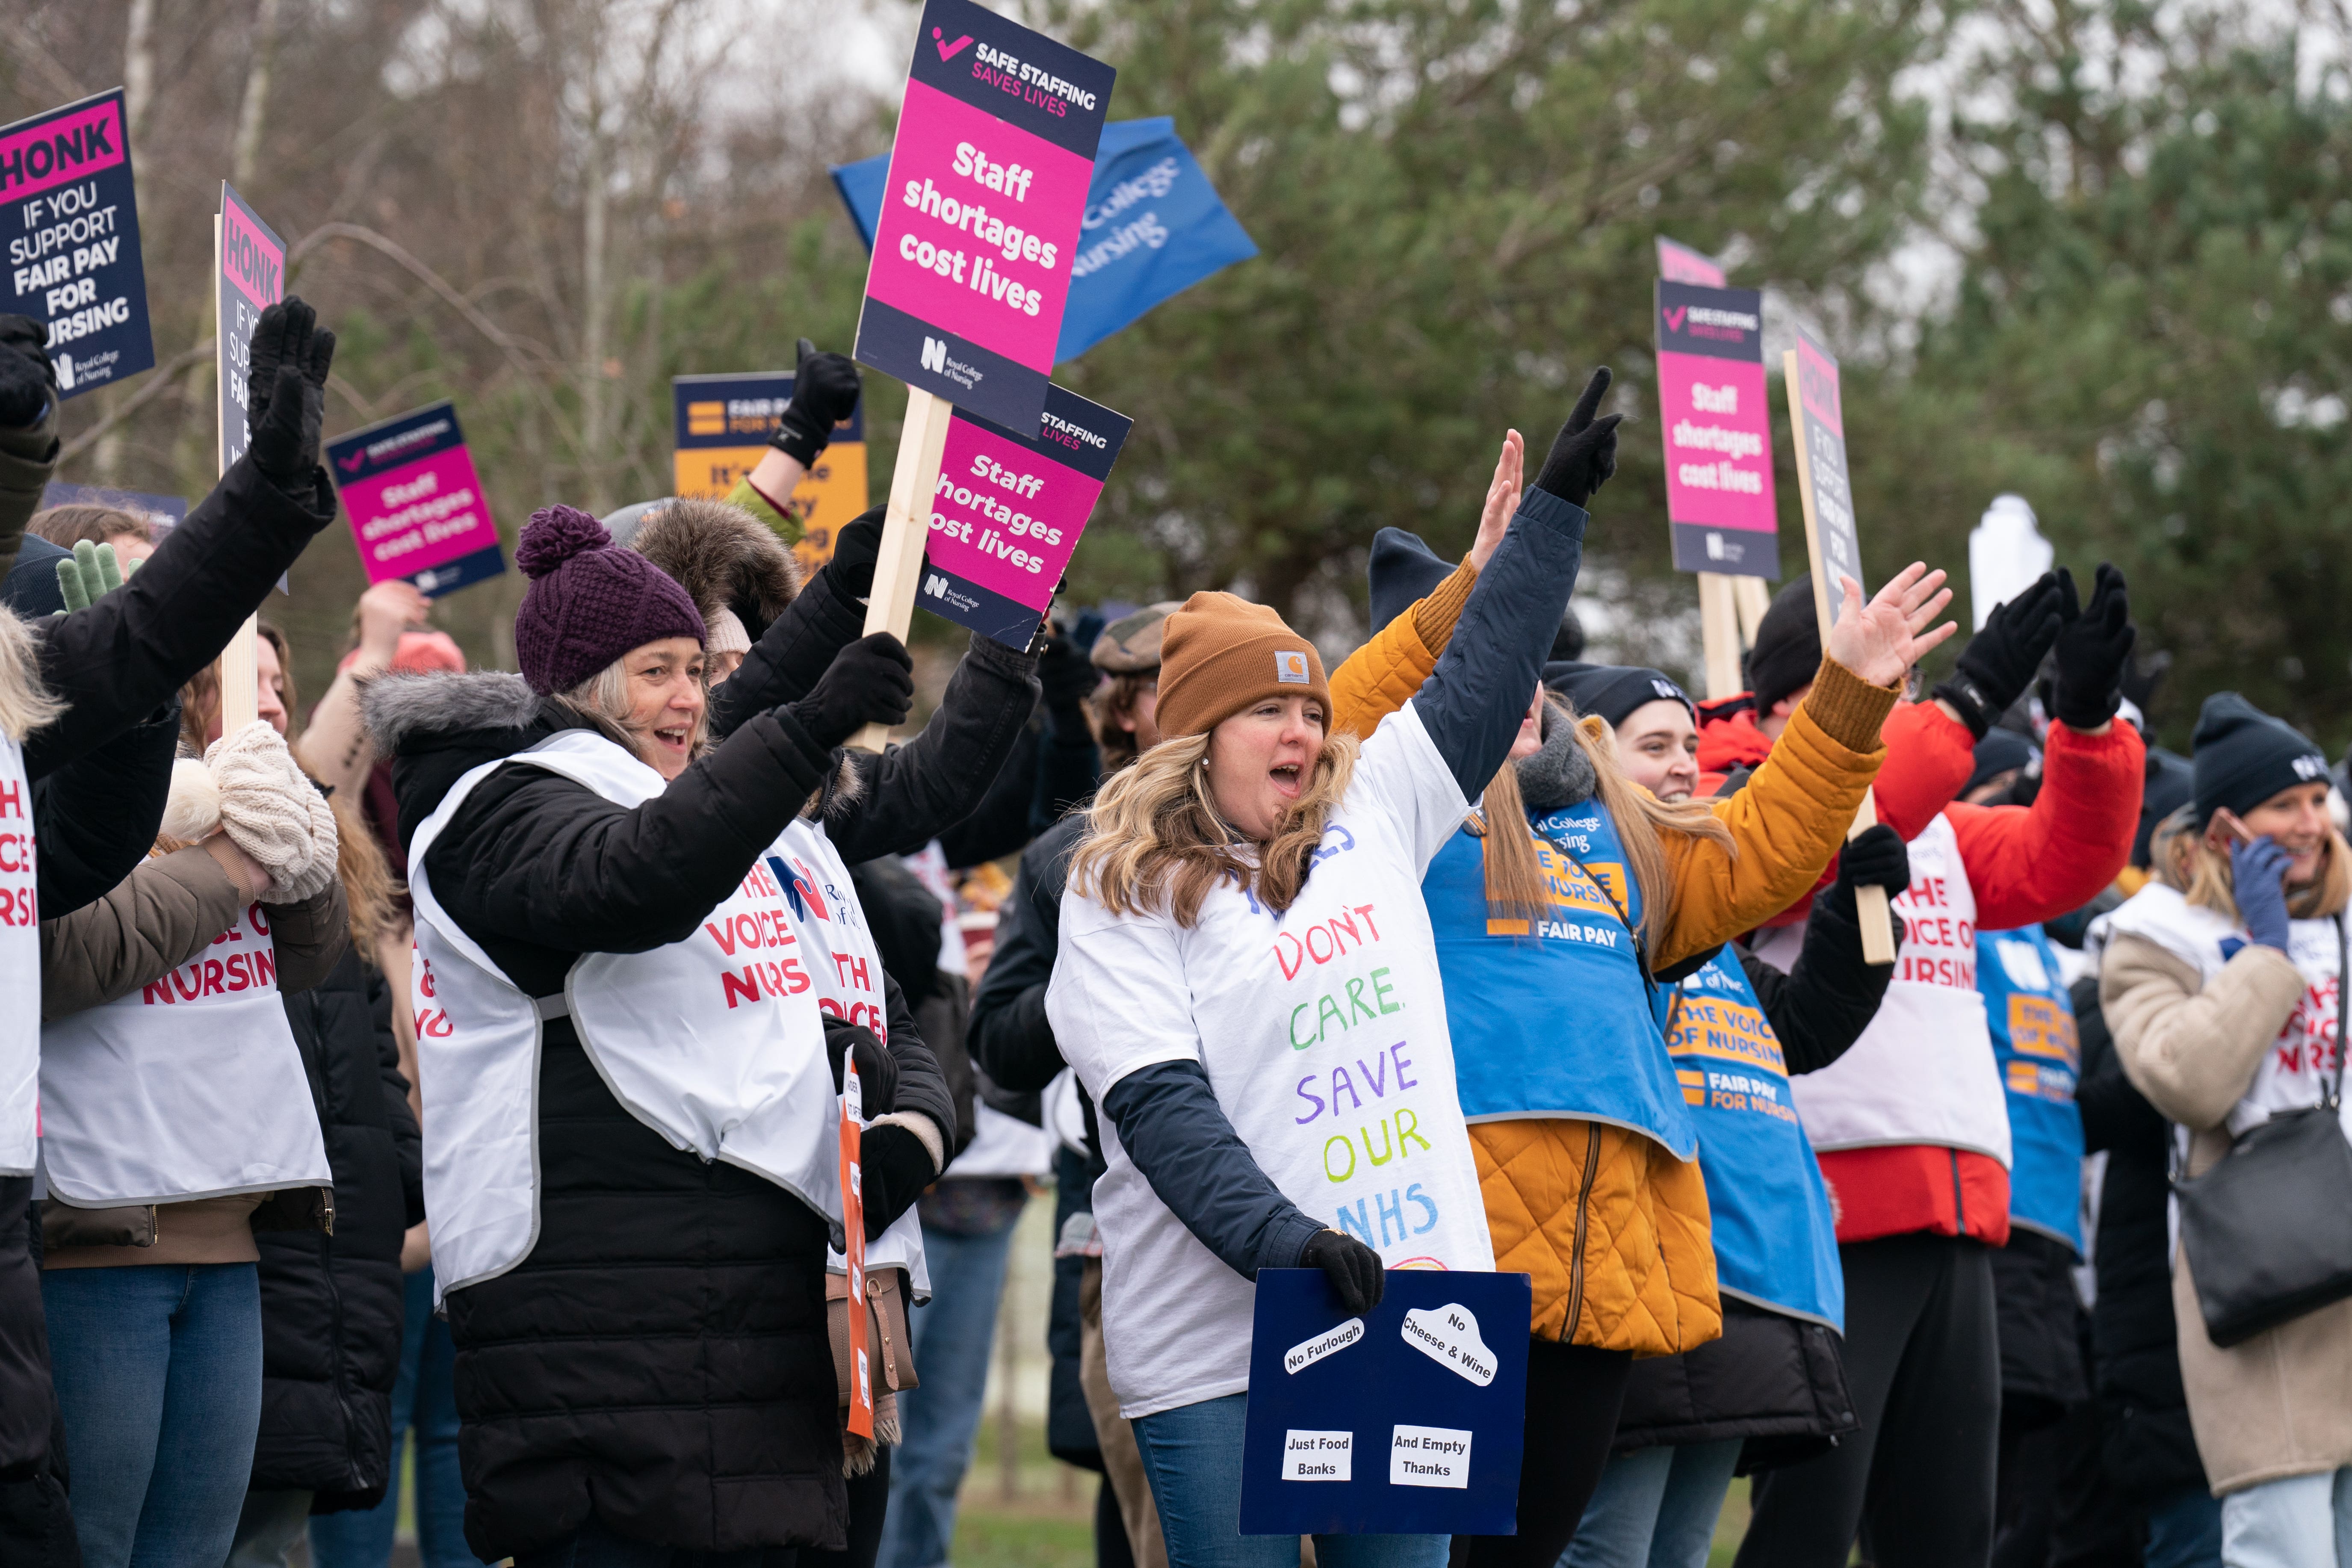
(2280, 1403)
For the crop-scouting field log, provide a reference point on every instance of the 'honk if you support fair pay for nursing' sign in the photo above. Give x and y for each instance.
(1407, 1419)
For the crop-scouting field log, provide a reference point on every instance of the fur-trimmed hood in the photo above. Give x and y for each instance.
(399, 710)
(725, 558)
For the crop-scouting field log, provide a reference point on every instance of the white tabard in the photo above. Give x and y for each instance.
(191, 1087)
(20, 970)
(714, 1042)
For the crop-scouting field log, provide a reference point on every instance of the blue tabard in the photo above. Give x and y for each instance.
(1775, 1239)
(2033, 1024)
(1555, 1021)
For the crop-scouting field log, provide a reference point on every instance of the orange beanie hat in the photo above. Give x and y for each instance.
(1221, 653)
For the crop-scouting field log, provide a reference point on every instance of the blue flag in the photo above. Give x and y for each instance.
(1154, 226)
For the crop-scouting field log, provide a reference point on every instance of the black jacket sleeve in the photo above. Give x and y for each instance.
(1473, 699)
(922, 1082)
(1820, 1008)
(784, 663)
(2116, 1116)
(909, 794)
(1005, 818)
(1168, 1120)
(95, 818)
(119, 660)
(28, 456)
(1010, 1037)
(407, 1144)
(531, 852)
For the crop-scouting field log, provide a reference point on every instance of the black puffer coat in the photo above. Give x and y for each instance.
(331, 1305)
(660, 1359)
(2147, 1446)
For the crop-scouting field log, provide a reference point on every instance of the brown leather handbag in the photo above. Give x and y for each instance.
(889, 1348)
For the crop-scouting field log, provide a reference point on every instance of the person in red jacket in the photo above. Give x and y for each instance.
(1910, 1126)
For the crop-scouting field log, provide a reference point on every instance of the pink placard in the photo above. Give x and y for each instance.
(420, 515)
(250, 259)
(37, 158)
(1004, 518)
(978, 226)
(1718, 437)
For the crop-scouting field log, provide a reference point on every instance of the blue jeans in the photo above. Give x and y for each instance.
(158, 1370)
(939, 1419)
(1192, 1456)
(2301, 1521)
(424, 1399)
(2184, 1531)
(1656, 1507)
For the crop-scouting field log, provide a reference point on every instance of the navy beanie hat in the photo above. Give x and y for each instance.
(2242, 756)
(1614, 691)
(1788, 651)
(1403, 571)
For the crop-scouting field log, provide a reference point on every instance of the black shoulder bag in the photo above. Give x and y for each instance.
(2268, 1231)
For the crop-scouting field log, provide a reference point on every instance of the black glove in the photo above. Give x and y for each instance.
(27, 381)
(894, 1168)
(824, 392)
(878, 1070)
(1353, 1268)
(855, 547)
(2094, 651)
(1584, 453)
(1999, 663)
(1876, 858)
(1069, 678)
(286, 392)
(871, 681)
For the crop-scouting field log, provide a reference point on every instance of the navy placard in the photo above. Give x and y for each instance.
(1409, 1420)
(69, 210)
(1022, 77)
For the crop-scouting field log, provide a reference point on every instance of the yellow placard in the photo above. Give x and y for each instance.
(833, 494)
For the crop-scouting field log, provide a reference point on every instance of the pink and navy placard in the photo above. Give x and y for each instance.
(1821, 416)
(1718, 429)
(416, 504)
(69, 212)
(1008, 512)
(252, 278)
(979, 220)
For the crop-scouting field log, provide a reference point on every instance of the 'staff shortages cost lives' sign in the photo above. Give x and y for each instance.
(1718, 431)
(416, 504)
(1008, 512)
(71, 220)
(252, 279)
(724, 423)
(979, 221)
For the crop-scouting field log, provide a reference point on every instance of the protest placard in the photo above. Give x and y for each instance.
(1817, 416)
(1008, 512)
(70, 213)
(987, 189)
(1154, 226)
(248, 276)
(1409, 1419)
(1718, 429)
(723, 426)
(1678, 263)
(416, 504)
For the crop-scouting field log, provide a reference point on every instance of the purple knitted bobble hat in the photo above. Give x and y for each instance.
(590, 602)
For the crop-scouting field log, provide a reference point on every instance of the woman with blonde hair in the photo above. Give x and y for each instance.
(1248, 880)
(2223, 990)
(1574, 886)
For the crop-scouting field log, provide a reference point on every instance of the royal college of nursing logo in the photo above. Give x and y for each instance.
(1290, 668)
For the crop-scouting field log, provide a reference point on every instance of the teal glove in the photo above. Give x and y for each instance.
(92, 574)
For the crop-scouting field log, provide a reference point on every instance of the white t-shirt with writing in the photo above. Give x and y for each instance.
(1322, 1031)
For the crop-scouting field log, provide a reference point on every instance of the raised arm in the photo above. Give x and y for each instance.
(911, 793)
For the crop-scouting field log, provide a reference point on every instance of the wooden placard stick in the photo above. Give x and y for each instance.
(237, 674)
(1869, 906)
(1753, 599)
(1718, 621)
(906, 526)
